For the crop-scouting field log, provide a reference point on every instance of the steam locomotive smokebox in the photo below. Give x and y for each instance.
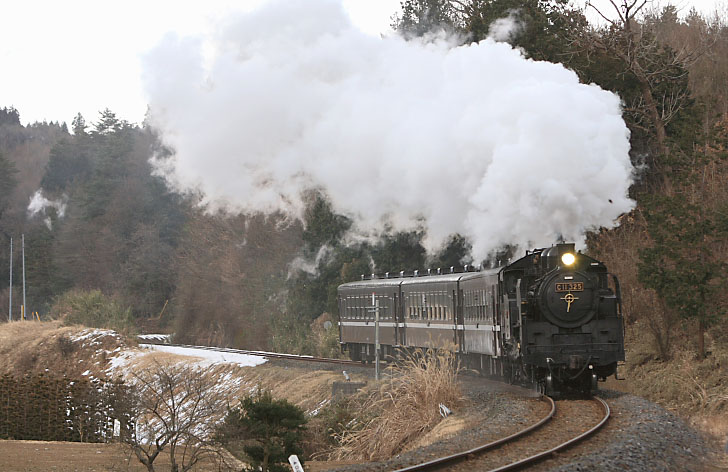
(341, 387)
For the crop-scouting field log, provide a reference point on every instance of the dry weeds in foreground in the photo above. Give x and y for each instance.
(404, 408)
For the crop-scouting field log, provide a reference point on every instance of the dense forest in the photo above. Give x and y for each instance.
(102, 229)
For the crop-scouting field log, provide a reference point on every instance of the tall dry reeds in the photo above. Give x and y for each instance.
(405, 407)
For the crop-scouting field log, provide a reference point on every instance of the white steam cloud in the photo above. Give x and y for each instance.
(40, 204)
(473, 140)
(503, 29)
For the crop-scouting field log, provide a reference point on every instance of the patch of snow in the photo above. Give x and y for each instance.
(316, 410)
(93, 333)
(120, 361)
(86, 373)
(209, 358)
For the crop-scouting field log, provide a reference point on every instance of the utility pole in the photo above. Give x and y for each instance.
(22, 312)
(10, 304)
(375, 308)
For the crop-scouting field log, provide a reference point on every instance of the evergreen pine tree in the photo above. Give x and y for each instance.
(265, 430)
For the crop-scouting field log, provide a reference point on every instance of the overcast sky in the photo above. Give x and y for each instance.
(61, 58)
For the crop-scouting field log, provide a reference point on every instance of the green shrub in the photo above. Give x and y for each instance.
(263, 430)
(300, 336)
(92, 309)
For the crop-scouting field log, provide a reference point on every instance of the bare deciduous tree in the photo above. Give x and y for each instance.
(660, 71)
(176, 408)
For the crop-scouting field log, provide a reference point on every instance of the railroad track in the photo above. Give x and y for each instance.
(529, 446)
(513, 452)
(269, 355)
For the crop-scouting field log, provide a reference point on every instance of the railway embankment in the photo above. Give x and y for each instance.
(640, 435)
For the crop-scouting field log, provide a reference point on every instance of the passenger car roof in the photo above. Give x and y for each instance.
(425, 279)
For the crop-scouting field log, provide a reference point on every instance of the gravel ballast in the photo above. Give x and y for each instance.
(640, 436)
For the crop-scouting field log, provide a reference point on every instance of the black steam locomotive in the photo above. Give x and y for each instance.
(552, 318)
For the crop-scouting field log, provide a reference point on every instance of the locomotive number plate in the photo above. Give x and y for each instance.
(570, 287)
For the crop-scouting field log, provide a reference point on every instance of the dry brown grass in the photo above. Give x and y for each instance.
(37, 347)
(403, 409)
(301, 386)
(694, 388)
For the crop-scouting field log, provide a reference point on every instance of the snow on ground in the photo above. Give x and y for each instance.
(118, 363)
(93, 334)
(226, 381)
(209, 358)
(201, 358)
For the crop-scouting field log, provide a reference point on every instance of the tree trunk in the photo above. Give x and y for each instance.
(654, 113)
(171, 458)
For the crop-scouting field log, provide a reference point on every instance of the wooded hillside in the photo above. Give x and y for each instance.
(106, 231)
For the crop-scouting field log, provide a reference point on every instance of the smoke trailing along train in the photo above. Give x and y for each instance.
(552, 318)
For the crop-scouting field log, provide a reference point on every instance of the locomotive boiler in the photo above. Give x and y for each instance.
(552, 318)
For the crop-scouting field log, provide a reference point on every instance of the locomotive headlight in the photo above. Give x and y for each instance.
(568, 259)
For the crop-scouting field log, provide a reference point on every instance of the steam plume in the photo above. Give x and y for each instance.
(473, 139)
(503, 29)
(40, 204)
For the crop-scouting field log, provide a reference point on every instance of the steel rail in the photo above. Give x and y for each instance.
(453, 457)
(271, 355)
(544, 455)
(484, 447)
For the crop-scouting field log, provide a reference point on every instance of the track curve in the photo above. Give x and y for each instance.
(566, 444)
(452, 460)
(485, 447)
(466, 460)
